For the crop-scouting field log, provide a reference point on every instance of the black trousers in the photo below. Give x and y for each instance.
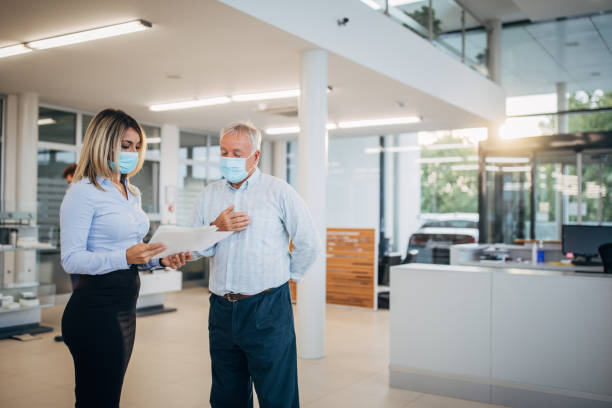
(252, 342)
(99, 325)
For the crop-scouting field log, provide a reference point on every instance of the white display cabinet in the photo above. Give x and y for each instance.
(22, 295)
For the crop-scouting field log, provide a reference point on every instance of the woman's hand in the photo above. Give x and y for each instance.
(142, 253)
(177, 260)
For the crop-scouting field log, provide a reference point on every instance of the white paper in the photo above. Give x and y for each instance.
(187, 239)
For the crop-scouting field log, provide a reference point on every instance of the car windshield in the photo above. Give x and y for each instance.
(451, 224)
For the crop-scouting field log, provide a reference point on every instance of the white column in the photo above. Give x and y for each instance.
(279, 164)
(494, 45)
(562, 104)
(10, 153)
(168, 173)
(312, 173)
(494, 64)
(27, 152)
(265, 162)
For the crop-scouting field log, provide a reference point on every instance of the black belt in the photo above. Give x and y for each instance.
(234, 297)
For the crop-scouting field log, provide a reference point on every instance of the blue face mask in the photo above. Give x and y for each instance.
(233, 169)
(127, 162)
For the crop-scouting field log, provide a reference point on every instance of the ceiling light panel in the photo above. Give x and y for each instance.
(90, 35)
(190, 104)
(262, 96)
(14, 50)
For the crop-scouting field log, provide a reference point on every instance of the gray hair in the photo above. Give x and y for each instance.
(243, 128)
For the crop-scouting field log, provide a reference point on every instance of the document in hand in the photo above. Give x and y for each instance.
(187, 239)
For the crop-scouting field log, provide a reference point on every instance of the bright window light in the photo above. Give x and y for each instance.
(379, 122)
(464, 167)
(262, 96)
(439, 160)
(153, 140)
(190, 104)
(46, 121)
(517, 169)
(372, 4)
(90, 35)
(14, 50)
(507, 160)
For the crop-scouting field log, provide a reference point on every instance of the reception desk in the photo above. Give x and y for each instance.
(514, 337)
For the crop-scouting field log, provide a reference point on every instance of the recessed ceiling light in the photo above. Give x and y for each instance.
(90, 35)
(190, 104)
(14, 50)
(262, 96)
(379, 122)
(46, 121)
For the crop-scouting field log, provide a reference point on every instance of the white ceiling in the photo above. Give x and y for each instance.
(214, 49)
(577, 51)
(538, 10)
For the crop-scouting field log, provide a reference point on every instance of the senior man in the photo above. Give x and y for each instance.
(250, 323)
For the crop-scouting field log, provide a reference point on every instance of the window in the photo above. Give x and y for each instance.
(51, 190)
(56, 126)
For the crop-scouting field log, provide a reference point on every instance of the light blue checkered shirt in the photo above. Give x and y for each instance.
(258, 258)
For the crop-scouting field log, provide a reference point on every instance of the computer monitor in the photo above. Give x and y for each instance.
(584, 241)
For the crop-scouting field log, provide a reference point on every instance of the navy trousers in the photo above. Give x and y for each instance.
(252, 342)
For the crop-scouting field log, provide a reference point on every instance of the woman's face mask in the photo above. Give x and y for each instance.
(127, 162)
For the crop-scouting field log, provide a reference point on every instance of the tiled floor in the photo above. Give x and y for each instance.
(170, 366)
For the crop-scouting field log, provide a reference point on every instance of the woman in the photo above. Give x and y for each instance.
(102, 226)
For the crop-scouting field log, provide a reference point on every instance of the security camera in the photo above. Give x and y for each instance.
(342, 21)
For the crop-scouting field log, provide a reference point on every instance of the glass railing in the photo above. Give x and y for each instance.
(445, 23)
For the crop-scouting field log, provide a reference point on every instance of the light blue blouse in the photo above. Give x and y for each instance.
(97, 227)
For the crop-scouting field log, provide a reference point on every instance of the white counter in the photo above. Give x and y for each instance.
(514, 337)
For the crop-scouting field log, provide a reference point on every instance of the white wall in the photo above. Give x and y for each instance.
(352, 183)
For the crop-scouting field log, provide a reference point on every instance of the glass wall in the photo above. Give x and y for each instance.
(447, 24)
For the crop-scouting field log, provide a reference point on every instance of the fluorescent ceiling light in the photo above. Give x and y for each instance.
(379, 122)
(507, 160)
(283, 130)
(190, 104)
(89, 35)
(46, 121)
(14, 50)
(262, 96)
(294, 129)
(372, 4)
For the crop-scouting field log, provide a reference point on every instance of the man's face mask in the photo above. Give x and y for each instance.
(233, 169)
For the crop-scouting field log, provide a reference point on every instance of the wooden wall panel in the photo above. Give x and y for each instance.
(351, 254)
(351, 263)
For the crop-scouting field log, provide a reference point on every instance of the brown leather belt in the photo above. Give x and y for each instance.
(234, 297)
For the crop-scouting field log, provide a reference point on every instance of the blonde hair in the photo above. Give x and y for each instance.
(102, 142)
(243, 128)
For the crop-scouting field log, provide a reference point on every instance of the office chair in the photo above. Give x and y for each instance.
(605, 253)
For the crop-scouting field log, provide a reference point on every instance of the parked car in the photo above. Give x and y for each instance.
(438, 232)
(444, 230)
